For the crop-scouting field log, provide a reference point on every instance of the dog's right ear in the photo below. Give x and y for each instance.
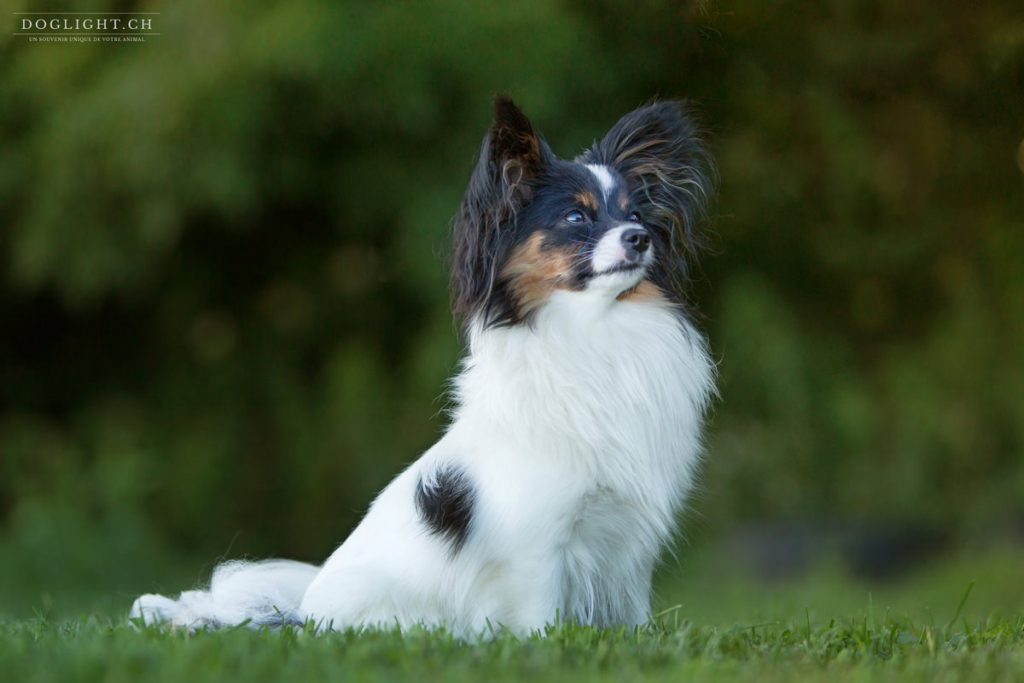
(511, 156)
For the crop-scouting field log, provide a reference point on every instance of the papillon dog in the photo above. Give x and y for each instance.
(576, 426)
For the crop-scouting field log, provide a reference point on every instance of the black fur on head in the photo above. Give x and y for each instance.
(511, 157)
(512, 246)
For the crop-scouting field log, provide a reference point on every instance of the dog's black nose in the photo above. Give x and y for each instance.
(636, 241)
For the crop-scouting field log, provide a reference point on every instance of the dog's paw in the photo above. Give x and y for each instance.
(153, 609)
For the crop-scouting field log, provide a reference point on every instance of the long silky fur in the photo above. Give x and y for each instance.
(511, 156)
(659, 150)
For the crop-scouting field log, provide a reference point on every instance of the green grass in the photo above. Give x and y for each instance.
(961, 618)
(887, 649)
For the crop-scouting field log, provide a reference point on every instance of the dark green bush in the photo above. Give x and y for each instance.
(223, 286)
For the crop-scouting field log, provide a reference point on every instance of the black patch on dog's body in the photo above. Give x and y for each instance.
(445, 503)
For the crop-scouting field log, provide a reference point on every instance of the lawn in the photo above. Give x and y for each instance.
(884, 648)
(959, 619)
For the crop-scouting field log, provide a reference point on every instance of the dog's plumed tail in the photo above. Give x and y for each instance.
(264, 593)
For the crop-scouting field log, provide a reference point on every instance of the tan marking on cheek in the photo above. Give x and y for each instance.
(588, 200)
(535, 271)
(623, 201)
(645, 291)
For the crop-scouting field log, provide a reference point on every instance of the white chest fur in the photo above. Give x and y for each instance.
(590, 420)
(608, 388)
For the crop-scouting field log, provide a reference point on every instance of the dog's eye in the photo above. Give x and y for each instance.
(575, 216)
(634, 217)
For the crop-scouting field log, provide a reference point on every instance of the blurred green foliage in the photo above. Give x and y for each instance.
(223, 291)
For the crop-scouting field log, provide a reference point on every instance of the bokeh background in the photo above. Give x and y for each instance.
(222, 277)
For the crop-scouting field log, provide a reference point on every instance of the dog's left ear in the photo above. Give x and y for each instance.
(669, 171)
(512, 155)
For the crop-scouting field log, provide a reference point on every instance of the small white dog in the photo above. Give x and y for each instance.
(579, 407)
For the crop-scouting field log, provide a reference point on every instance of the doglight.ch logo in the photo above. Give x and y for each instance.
(86, 27)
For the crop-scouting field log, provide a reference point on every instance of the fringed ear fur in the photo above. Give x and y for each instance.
(511, 156)
(658, 151)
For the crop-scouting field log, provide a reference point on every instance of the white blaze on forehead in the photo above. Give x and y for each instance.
(604, 179)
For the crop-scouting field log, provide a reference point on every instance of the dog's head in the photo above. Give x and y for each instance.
(618, 222)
